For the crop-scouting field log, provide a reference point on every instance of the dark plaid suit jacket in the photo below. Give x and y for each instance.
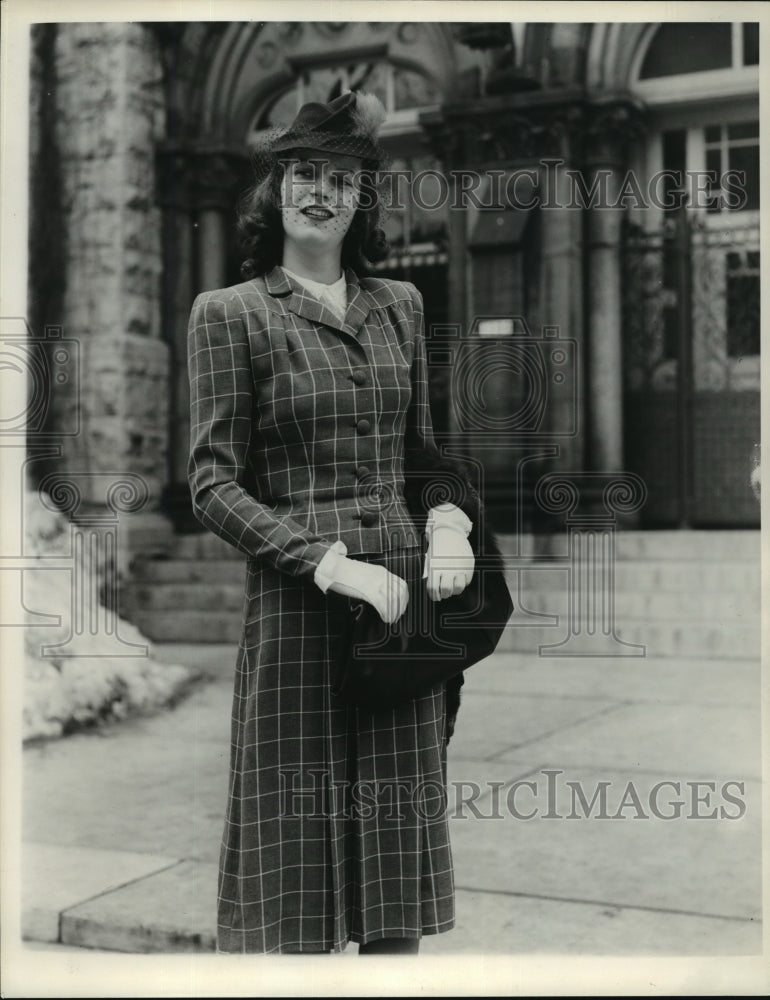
(299, 420)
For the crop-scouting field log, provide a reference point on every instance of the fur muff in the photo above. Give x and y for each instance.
(431, 479)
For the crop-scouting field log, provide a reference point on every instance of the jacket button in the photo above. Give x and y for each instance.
(362, 471)
(363, 426)
(369, 518)
(359, 377)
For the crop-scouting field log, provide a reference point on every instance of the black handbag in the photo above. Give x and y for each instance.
(379, 665)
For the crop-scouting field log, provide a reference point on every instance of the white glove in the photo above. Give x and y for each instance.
(449, 562)
(387, 593)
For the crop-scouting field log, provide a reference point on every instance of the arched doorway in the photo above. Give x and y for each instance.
(240, 79)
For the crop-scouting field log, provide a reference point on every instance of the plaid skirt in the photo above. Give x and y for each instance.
(336, 827)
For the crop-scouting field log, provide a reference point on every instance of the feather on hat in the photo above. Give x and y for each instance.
(368, 114)
(347, 125)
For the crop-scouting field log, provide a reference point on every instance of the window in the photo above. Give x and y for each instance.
(751, 44)
(399, 89)
(733, 148)
(697, 62)
(724, 254)
(678, 48)
(700, 82)
(742, 279)
(729, 151)
(688, 48)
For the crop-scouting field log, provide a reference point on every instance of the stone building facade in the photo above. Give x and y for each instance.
(595, 325)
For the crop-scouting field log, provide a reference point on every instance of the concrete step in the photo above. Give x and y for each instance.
(742, 545)
(169, 911)
(196, 570)
(673, 638)
(699, 545)
(666, 545)
(188, 626)
(677, 593)
(174, 596)
(651, 576)
(533, 593)
(205, 545)
(716, 606)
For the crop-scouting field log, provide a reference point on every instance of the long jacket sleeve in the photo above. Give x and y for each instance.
(221, 424)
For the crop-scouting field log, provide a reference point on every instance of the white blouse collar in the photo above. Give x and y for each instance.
(318, 286)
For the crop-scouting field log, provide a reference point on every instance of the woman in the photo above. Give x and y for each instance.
(308, 389)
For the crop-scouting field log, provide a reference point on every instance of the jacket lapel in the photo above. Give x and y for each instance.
(359, 303)
(303, 303)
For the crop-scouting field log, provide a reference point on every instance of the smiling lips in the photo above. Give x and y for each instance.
(317, 213)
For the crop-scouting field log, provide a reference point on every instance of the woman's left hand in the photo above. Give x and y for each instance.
(449, 563)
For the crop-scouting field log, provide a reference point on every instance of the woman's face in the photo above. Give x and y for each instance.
(319, 196)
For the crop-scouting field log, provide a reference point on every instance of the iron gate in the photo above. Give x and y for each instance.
(692, 369)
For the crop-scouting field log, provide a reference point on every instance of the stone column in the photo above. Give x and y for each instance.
(198, 192)
(608, 134)
(561, 303)
(110, 113)
(214, 183)
(175, 175)
(458, 293)
(447, 141)
(212, 249)
(605, 373)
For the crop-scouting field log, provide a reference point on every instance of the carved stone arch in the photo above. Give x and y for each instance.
(226, 77)
(249, 65)
(643, 42)
(615, 52)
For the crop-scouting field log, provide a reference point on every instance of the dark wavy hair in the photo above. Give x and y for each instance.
(260, 226)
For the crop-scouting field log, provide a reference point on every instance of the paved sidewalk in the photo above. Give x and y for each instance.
(122, 825)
